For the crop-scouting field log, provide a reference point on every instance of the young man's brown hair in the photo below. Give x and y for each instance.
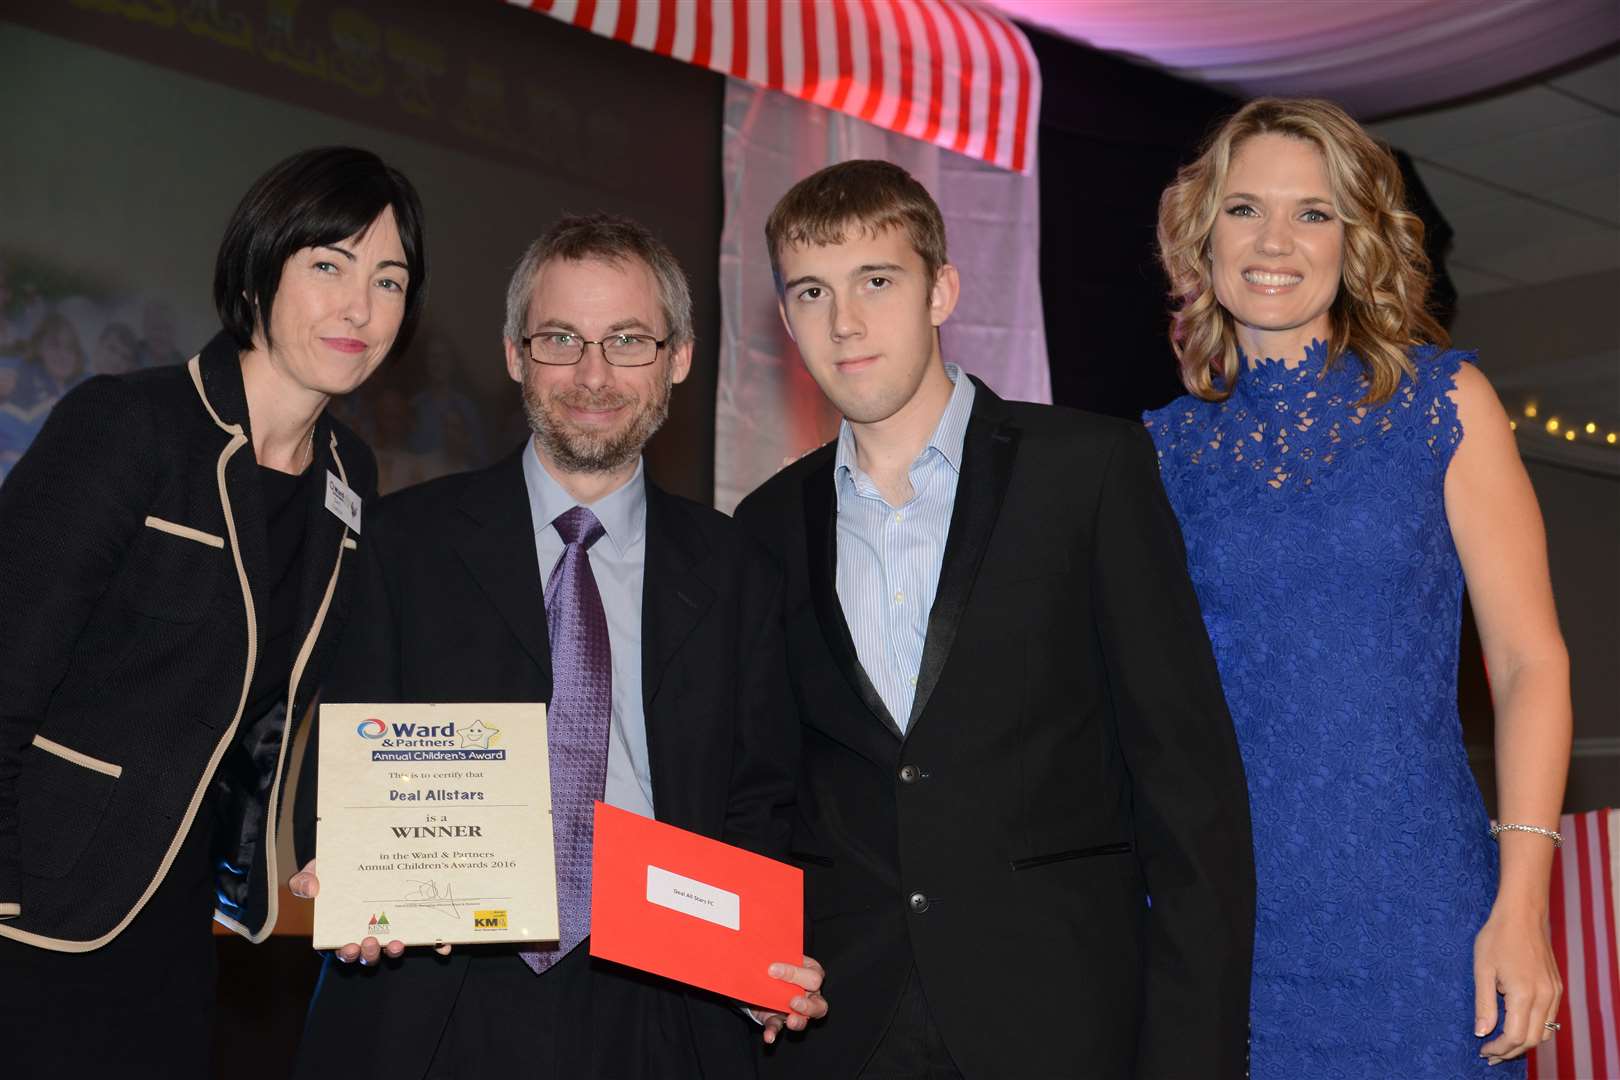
(871, 196)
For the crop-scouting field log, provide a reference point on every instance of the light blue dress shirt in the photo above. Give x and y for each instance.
(889, 557)
(618, 562)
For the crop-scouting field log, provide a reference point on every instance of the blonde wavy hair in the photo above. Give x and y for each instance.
(1381, 308)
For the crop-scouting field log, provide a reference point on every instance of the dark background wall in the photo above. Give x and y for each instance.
(144, 123)
(1112, 134)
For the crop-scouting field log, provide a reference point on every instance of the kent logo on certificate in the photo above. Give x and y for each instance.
(434, 825)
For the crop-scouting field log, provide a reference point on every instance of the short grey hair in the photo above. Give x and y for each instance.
(613, 239)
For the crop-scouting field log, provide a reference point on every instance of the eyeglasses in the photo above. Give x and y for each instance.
(560, 348)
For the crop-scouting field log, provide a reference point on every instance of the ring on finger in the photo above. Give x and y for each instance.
(1553, 1025)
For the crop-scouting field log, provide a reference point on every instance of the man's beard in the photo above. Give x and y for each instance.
(573, 450)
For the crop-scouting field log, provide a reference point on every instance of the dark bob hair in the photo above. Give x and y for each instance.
(317, 197)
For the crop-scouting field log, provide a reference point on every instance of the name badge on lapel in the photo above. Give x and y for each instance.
(343, 503)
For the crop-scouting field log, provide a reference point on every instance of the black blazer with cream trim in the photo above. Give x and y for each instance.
(132, 570)
(1068, 754)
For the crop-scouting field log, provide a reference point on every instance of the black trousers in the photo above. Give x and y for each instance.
(140, 1006)
(912, 1048)
(574, 1021)
(481, 1014)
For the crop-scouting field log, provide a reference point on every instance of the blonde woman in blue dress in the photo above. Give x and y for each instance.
(1340, 475)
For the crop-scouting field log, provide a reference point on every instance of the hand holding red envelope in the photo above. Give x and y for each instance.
(692, 909)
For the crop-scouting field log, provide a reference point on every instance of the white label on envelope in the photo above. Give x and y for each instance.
(343, 502)
(694, 898)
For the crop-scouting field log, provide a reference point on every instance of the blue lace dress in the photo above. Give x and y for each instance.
(1317, 541)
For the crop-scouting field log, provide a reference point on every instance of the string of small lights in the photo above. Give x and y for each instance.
(1557, 427)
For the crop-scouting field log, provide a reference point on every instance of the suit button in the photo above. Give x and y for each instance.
(918, 902)
(909, 774)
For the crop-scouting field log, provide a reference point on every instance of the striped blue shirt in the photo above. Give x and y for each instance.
(889, 557)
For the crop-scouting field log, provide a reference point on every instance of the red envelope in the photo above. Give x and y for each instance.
(693, 909)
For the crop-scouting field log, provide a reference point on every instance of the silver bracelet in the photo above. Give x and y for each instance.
(1556, 838)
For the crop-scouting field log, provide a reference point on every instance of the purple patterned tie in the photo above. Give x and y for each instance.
(577, 724)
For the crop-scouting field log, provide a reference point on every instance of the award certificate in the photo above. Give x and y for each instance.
(434, 825)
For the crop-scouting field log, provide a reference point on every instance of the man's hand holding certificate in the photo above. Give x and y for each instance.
(434, 825)
(435, 828)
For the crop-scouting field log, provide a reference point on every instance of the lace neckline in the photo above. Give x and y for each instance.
(1269, 379)
(1316, 357)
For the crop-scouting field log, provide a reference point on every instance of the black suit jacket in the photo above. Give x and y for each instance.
(1068, 756)
(133, 586)
(454, 612)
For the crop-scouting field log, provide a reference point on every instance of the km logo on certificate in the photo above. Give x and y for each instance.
(434, 825)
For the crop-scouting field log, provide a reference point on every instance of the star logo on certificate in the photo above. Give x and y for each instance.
(478, 734)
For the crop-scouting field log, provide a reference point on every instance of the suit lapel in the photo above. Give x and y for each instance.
(323, 532)
(821, 544)
(988, 449)
(495, 539)
(220, 371)
(673, 597)
(674, 601)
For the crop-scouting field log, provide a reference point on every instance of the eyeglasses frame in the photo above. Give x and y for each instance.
(586, 343)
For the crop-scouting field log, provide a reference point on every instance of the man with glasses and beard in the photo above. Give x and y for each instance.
(504, 585)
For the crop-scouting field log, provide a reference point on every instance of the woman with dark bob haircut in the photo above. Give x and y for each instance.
(1341, 473)
(173, 579)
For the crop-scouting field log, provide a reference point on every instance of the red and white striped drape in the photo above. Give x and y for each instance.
(954, 73)
(1585, 926)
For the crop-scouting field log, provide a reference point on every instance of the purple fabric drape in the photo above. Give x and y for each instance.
(1372, 56)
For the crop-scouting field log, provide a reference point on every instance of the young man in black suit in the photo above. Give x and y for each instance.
(700, 735)
(1021, 810)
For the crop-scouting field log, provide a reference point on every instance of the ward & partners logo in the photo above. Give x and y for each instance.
(450, 741)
